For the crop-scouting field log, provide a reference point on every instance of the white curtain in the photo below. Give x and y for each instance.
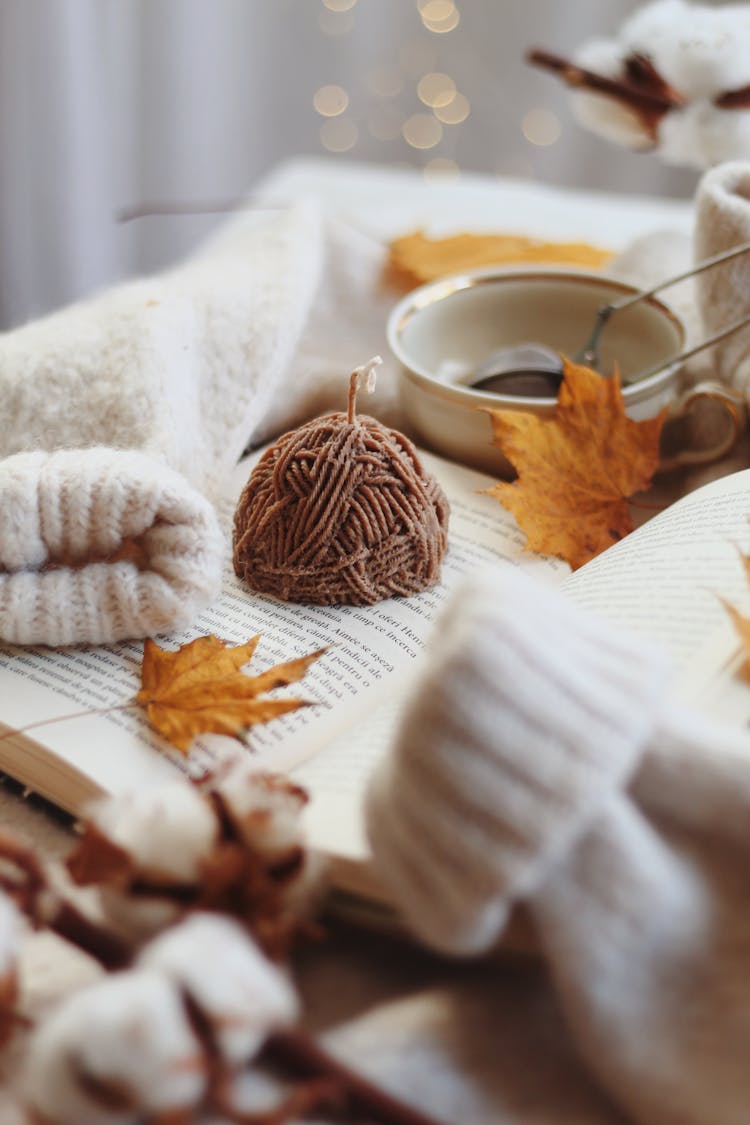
(105, 104)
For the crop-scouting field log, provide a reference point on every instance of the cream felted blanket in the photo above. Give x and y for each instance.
(136, 405)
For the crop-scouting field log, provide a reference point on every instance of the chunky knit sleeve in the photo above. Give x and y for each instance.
(544, 760)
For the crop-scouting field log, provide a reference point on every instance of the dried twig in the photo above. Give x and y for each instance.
(24, 878)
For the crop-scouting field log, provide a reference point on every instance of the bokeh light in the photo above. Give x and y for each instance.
(422, 130)
(436, 10)
(440, 16)
(339, 5)
(541, 127)
(330, 101)
(338, 134)
(456, 111)
(436, 89)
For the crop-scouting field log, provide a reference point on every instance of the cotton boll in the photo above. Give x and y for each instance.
(241, 994)
(702, 135)
(701, 51)
(707, 63)
(255, 1091)
(115, 1052)
(166, 830)
(135, 917)
(654, 29)
(603, 115)
(264, 808)
(12, 928)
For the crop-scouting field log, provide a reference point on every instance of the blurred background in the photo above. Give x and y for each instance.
(110, 105)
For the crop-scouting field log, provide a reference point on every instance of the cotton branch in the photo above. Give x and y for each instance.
(642, 90)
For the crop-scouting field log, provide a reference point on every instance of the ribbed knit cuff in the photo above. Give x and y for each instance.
(99, 545)
(722, 221)
(529, 715)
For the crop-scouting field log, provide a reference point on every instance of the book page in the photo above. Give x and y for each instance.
(337, 778)
(664, 582)
(368, 648)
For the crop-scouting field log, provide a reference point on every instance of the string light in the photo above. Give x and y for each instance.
(422, 130)
(436, 89)
(541, 127)
(330, 101)
(456, 110)
(338, 134)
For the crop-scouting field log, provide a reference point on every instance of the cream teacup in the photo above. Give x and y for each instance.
(442, 332)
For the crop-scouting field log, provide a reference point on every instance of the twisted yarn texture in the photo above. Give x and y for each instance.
(340, 512)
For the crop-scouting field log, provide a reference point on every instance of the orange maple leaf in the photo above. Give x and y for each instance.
(577, 468)
(414, 258)
(200, 689)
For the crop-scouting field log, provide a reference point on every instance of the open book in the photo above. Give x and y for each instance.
(661, 582)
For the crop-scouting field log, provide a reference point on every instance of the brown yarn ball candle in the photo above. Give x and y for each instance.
(340, 511)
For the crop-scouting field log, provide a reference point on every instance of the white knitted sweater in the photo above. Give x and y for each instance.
(254, 332)
(542, 760)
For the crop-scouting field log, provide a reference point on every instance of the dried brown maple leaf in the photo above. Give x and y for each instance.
(200, 689)
(577, 468)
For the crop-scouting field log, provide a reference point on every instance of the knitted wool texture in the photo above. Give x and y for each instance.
(340, 511)
(722, 221)
(542, 760)
(240, 341)
(101, 547)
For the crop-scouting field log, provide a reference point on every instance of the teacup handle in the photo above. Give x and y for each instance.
(735, 413)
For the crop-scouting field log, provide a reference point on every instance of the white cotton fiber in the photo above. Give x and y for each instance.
(604, 115)
(702, 136)
(265, 808)
(12, 928)
(129, 1036)
(167, 830)
(242, 995)
(701, 53)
